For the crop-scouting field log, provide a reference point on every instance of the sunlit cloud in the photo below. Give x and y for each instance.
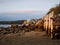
(25, 9)
(21, 10)
(24, 6)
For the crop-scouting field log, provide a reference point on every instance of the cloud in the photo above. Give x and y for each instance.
(20, 10)
(26, 5)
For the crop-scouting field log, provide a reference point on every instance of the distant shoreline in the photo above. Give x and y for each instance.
(12, 22)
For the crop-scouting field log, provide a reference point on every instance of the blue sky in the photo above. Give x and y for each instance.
(26, 6)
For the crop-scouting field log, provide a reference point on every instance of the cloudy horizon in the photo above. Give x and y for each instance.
(26, 9)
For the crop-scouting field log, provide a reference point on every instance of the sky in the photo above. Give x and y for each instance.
(30, 7)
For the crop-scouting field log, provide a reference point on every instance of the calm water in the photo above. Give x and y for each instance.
(7, 25)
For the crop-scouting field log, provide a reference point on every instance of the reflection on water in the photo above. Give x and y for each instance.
(8, 25)
(5, 25)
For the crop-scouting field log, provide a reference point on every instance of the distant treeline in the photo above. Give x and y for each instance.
(12, 22)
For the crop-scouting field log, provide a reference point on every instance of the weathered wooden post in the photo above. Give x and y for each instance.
(51, 23)
(46, 22)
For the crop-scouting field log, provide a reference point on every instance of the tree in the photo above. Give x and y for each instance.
(55, 9)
